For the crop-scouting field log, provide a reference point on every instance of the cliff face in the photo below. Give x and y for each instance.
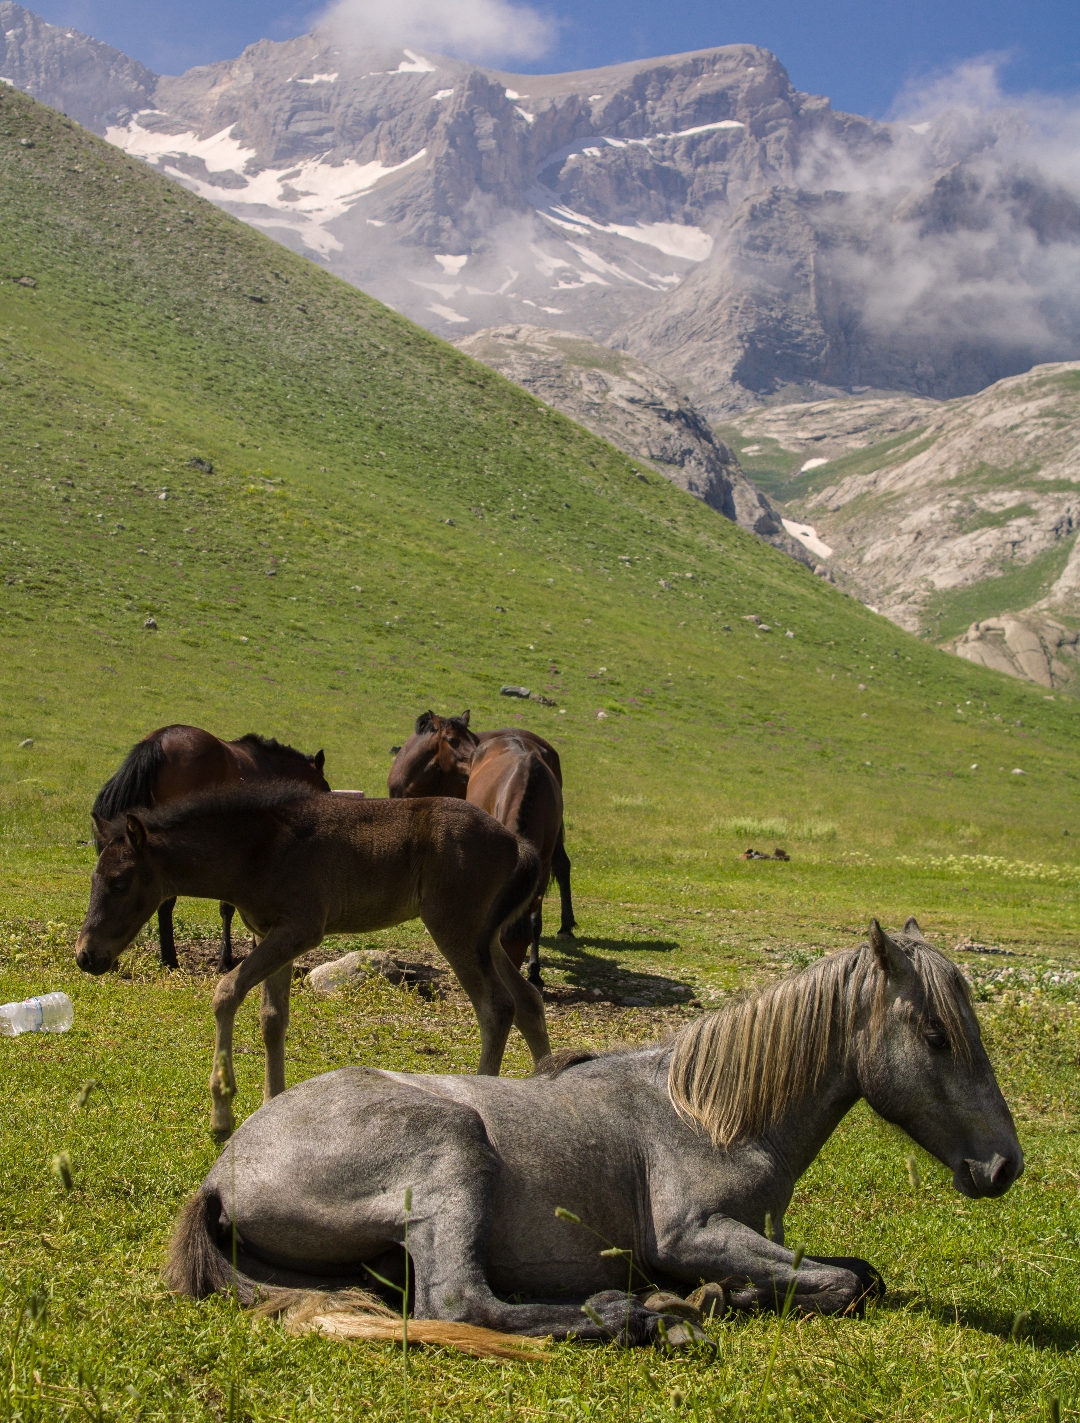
(637, 410)
(957, 519)
(695, 210)
(87, 80)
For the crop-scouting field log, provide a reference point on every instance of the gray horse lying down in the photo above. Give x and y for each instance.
(677, 1153)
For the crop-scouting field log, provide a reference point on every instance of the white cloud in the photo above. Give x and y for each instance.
(970, 86)
(469, 29)
(959, 234)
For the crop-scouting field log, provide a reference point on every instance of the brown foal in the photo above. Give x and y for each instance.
(298, 866)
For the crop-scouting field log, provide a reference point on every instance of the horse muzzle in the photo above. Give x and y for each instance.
(988, 1178)
(95, 961)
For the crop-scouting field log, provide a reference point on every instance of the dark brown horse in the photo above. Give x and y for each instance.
(175, 761)
(299, 865)
(514, 775)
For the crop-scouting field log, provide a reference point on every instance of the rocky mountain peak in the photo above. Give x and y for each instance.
(695, 210)
(87, 80)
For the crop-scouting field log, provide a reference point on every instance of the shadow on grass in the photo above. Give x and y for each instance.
(614, 946)
(587, 968)
(1037, 1332)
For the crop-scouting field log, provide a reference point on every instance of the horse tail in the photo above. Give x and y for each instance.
(537, 772)
(196, 1264)
(515, 896)
(133, 784)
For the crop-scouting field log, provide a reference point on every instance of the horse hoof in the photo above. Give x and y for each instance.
(681, 1334)
(536, 980)
(566, 934)
(222, 1134)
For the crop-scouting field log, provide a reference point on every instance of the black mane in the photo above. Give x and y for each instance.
(272, 744)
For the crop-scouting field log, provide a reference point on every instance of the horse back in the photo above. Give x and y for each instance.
(194, 760)
(532, 739)
(513, 783)
(385, 859)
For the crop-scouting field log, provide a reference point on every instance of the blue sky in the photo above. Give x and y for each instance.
(862, 55)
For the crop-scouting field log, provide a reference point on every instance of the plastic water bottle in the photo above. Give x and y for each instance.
(51, 1013)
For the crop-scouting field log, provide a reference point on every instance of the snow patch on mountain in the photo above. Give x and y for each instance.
(303, 198)
(672, 238)
(807, 536)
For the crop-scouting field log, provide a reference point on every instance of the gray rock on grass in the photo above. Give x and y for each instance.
(353, 968)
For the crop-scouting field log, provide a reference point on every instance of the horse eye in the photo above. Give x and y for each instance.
(937, 1039)
(120, 886)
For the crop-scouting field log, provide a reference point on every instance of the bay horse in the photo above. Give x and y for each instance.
(174, 761)
(503, 771)
(682, 1157)
(299, 865)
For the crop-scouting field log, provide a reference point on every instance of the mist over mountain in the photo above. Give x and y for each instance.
(696, 210)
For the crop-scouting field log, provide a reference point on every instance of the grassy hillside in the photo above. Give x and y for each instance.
(359, 522)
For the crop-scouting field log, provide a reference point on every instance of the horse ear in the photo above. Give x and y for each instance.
(423, 722)
(890, 956)
(100, 826)
(464, 718)
(319, 760)
(912, 930)
(136, 832)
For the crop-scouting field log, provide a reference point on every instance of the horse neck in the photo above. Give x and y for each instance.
(797, 1135)
(460, 767)
(203, 855)
(778, 1070)
(281, 765)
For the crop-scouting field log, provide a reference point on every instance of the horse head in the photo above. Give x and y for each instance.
(436, 758)
(921, 1064)
(125, 890)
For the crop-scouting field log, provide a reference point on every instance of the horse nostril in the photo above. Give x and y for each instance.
(1002, 1172)
(993, 1177)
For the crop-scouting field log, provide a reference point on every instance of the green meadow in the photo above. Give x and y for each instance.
(336, 521)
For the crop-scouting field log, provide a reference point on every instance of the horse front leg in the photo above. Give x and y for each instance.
(759, 1273)
(274, 1023)
(452, 1211)
(276, 951)
(166, 941)
(225, 957)
(560, 868)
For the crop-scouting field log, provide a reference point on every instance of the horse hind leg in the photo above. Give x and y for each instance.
(166, 939)
(492, 1001)
(449, 1229)
(560, 868)
(225, 956)
(536, 926)
(529, 1016)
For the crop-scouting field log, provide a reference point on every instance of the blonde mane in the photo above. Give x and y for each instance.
(733, 1072)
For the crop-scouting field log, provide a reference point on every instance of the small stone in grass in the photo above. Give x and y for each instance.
(25, 745)
(150, 624)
